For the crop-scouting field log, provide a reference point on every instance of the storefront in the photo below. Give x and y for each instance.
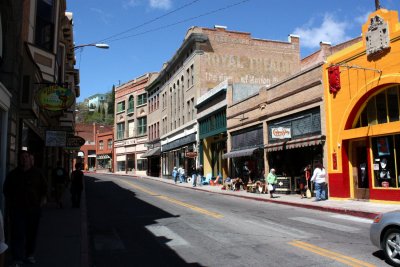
(174, 154)
(293, 143)
(104, 162)
(246, 150)
(363, 138)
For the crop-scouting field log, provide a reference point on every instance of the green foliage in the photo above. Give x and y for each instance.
(104, 113)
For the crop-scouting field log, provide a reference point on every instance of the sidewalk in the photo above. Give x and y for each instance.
(364, 209)
(63, 233)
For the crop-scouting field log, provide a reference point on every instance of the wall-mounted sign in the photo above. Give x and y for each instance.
(55, 98)
(377, 37)
(74, 142)
(281, 133)
(56, 138)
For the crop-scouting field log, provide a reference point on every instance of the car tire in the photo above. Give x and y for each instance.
(391, 246)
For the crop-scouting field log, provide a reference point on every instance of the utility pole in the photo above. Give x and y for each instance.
(377, 5)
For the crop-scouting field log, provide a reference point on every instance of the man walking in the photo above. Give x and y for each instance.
(25, 191)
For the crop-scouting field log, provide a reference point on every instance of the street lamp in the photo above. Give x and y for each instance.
(102, 46)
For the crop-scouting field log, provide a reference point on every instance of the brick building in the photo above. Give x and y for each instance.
(104, 151)
(130, 125)
(281, 126)
(206, 58)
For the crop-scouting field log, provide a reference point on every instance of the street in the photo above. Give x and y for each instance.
(141, 222)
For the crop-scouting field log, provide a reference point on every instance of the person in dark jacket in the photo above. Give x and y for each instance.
(76, 185)
(25, 191)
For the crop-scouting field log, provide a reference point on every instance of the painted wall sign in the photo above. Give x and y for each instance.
(55, 98)
(281, 133)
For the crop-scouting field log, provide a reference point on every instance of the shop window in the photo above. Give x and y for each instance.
(142, 164)
(381, 108)
(121, 166)
(386, 164)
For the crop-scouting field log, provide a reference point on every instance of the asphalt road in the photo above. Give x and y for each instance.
(141, 222)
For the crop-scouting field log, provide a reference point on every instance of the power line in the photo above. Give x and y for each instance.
(181, 21)
(148, 22)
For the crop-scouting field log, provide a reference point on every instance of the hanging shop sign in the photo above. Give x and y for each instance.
(74, 142)
(190, 154)
(56, 138)
(334, 79)
(55, 98)
(281, 133)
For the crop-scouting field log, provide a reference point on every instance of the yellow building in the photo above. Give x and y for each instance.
(362, 93)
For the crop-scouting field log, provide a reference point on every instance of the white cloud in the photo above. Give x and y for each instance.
(161, 4)
(362, 18)
(131, 3)
(329, 31)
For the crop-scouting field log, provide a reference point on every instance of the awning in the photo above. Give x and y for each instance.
(152, 152)
(274, 146)
(296, 143)
(91, 156)
(240, 153)
(307, 141)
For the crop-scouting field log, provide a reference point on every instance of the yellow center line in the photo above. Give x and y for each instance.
(330, 254)
(175, 201)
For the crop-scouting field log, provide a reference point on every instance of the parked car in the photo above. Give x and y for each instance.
(385, 234)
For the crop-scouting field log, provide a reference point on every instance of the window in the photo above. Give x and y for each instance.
(131, 128)
(44, 30)
(130, 104)
(192, 75)
(120, 131)
(142, 126)
(381, 108)
(101, 145)
(121, 106)
(110, 143)
(142, 164)
(141, 99)
(121, 166)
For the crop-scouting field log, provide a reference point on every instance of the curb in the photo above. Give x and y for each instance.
(352, 212)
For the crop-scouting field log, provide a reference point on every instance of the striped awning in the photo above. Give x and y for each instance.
(296, 143)
(307, 141)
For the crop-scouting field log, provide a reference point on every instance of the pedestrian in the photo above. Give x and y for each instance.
(194, 175)
(76, 185)
(303, 184)
(246, 172)
(181, 173)
(319, 178)
(25, 191)
(272, 181)
(200, 174)
(175, 174)
(59, 182)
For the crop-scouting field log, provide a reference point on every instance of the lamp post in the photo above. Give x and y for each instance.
(102, 46)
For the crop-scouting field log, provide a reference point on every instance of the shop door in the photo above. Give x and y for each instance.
(359, 163)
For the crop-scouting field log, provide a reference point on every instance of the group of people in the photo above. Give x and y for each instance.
(318, 178)
(197, 174)
(26, 191)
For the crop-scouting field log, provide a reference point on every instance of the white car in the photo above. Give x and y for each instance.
(385, 234)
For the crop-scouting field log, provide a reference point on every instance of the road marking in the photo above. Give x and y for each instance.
(175, 201)
(352, 218)
(162, 231)
(326, 224)
(330, 254)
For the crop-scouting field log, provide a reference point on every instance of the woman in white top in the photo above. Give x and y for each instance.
(319, 178)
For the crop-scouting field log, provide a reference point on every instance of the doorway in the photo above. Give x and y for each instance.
(359, 169)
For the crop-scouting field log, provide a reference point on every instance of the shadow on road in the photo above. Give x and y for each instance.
(117, 223)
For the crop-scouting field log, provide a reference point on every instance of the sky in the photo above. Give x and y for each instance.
(144, 34)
